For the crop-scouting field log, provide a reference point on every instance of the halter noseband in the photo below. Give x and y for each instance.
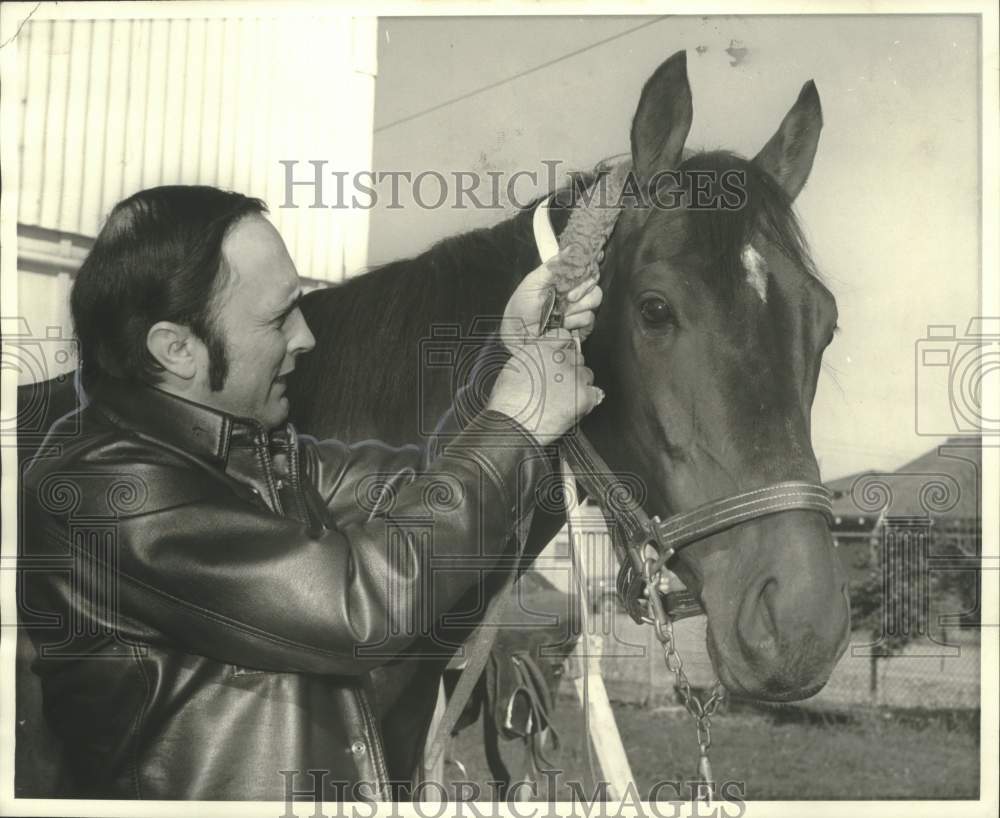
(633, 529)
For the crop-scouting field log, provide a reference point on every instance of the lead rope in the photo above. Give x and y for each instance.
(572, 508)
(548, 247)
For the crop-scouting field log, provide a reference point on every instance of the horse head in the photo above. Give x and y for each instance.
(709, 345)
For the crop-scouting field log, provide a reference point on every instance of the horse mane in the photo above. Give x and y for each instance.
(356, 384)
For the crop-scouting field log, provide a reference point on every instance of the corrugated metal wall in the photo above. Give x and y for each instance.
(109, 107)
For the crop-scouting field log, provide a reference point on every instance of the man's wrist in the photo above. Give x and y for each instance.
(515, 458)
(513, 333)
(518, 431)
(511, 414)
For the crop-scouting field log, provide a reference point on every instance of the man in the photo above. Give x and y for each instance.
(214, 581)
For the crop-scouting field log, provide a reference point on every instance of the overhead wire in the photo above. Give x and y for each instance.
(519, 75)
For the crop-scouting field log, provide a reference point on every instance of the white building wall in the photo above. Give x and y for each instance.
(109, 107)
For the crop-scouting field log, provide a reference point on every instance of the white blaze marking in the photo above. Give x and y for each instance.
(756, 267)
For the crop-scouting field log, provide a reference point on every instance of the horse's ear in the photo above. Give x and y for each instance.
(663, 118)
(788, 155)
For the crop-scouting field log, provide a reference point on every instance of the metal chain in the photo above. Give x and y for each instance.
(701, 712)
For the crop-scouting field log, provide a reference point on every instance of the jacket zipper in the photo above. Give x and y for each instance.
(375, 741)
(293, 476)
(263, 453)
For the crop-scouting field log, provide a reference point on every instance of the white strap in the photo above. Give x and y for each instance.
(545, 236)
(480, 644)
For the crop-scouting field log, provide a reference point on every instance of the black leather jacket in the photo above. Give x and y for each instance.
(215, 595)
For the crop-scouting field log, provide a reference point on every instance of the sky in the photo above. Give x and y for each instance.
(891, 209)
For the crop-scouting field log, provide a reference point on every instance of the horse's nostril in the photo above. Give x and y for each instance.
(779, 620)
(758, 624)
(768, 606)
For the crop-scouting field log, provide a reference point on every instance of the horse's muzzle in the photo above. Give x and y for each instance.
(789, 629)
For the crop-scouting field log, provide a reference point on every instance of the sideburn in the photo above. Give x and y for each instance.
(218, 361)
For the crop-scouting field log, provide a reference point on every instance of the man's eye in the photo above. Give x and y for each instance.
(655, 311)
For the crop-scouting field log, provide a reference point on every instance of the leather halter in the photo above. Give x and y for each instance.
(633, 529)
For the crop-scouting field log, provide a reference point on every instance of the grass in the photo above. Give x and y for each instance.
(785, 753)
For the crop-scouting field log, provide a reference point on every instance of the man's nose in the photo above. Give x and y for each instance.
(302, 339)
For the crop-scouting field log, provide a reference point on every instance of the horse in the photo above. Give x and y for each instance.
(708, 345)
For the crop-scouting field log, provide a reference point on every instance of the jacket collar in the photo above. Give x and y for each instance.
(190, 426)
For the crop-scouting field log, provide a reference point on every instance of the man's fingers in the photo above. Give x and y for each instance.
(580, 290)
(589, 301)
(561, 337)
(542, 275)
(583, 321)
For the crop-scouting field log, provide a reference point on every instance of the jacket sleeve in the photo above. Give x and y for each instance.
(538, 522)
(198, 565)
(363, 479)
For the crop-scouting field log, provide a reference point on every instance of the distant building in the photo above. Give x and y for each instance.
(935, 496)
(942, 484)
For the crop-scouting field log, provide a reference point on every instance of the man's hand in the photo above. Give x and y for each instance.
(545, 386)
(524, 309)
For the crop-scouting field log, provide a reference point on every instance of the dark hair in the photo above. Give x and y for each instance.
(157, 258)
(718, 235)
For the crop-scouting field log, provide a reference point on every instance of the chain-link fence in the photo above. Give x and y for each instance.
(919, 646)
(916, 642)
(926, 675)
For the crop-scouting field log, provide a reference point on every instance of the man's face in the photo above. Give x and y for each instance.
(258, 319)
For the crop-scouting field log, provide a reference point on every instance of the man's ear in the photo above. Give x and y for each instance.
(174, 347)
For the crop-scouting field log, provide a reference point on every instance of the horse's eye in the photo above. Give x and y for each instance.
(655, 311)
